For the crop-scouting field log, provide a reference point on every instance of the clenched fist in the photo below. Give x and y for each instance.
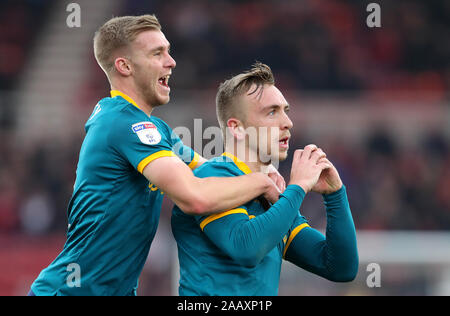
(329, 180)
(307, 166)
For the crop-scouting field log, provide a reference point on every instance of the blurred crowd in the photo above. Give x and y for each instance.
(315, 44)
(20, 24)
(319, 45)
(389, 187)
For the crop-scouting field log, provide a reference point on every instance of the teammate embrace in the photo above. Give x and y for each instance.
(130, 158)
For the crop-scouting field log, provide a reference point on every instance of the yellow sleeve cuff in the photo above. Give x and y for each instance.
(144, 162)
(213, 217)
(293, 234)
(194, 161)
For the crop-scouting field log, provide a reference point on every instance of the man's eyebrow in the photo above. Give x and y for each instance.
(276, 106)
(160, 48)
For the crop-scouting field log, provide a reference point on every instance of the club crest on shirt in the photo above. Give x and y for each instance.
(147, 133)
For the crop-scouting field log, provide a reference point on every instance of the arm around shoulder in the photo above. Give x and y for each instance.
(203, 196)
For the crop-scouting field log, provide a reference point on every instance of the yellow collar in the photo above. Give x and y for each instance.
(239, 163)
(115, 93)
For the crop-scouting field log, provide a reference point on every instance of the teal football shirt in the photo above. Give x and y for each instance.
(114, 211)
(205, 269)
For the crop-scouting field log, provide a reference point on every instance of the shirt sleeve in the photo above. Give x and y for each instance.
(140, 142)
(220, 169)
(185, 153)
(248, 240)
(299, 224)
(334, 256)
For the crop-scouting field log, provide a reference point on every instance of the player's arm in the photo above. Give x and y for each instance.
(247, 240)
(200, 162)
(334, 256)
(200, 196)
(187, 154)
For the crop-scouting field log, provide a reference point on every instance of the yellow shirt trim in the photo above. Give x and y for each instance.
(115, 93)
(211, 218)
(239, 163)
(144, 162)
(194, 161)
(293, 234)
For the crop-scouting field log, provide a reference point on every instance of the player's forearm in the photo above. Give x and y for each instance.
(200, 162)
(342, 249)
(203, 196)
(334, 256)
(219, 194)
(249, 241)
(254, 239)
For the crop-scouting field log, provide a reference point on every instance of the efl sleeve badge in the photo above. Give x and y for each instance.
(147, 133)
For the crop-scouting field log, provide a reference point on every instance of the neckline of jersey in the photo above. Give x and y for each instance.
(117, 93)
(239, 163)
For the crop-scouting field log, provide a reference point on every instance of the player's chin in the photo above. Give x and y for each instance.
(163, 99)
(276, 158)
(282, 155)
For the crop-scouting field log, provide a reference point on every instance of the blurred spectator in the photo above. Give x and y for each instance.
(36, 214)
(9, 201)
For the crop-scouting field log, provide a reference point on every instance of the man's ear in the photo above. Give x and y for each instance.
(236, 128)
(123, 66)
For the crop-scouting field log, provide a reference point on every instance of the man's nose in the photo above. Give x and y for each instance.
(171, 63)
(287, 123)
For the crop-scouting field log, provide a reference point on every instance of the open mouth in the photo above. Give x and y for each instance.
(284, 142)
(164, 81)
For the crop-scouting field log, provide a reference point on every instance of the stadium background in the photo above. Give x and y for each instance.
(376, 99)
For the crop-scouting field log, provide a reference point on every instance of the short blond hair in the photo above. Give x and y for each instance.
(118, 33)
(229, 91)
